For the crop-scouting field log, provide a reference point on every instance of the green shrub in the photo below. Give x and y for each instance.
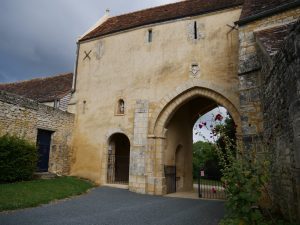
(18, 159)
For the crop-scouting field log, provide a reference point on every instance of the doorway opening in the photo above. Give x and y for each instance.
(43, 146)
(189, 149)
(118, 159)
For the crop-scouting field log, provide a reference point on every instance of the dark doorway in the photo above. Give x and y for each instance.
(43, 145)
(118, 159)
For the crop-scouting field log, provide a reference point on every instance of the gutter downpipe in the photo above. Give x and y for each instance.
(101, 21)
(75, 69)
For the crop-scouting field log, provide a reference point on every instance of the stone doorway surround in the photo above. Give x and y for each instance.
(117, 160)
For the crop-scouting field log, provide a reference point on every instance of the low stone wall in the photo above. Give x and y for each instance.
(23, 117)
(280, 97)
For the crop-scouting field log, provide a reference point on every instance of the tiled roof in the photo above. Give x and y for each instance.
(272, 39)
(42, 89)
(160, 14)
(253, 7)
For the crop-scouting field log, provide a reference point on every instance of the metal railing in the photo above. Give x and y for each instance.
(210, 188)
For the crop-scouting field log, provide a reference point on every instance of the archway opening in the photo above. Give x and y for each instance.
(181, 139)
(118, 159)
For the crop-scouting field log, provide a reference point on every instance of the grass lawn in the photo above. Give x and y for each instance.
(33, 193)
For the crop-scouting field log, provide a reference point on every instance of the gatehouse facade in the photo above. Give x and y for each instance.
(148, 84)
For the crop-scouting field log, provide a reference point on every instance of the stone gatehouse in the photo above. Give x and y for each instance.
(143, 78)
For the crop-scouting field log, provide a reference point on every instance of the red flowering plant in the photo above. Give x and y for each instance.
(210, 127)
(244, 177)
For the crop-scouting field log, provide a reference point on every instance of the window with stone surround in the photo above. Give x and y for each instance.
(195, 30)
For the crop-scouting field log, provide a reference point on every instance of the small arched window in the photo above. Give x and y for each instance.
(121, 107)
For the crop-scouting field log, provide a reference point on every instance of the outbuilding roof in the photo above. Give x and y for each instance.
(272, 38)
(42, 89)
(255, 9)
(159, 14)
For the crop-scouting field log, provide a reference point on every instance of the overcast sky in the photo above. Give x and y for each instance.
(204, 134)
(38, 37)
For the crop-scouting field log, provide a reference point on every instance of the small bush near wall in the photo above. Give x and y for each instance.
(18, 159)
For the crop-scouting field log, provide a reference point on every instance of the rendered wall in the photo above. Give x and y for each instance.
(145, 75)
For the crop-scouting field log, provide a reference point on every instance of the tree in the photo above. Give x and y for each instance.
(205, 157)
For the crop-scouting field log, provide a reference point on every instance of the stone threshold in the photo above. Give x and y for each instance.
(190, 195)
(120, 186)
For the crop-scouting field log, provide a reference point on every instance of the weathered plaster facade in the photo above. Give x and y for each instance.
(165, 81)
(23, 117)
(155, 79)
(142, 79)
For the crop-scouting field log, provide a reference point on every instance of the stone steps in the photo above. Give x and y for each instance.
(44, 175)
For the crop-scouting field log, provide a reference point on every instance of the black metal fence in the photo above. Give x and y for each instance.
(117, 169)
(209, 188)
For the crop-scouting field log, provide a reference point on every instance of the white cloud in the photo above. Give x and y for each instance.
(204, 133)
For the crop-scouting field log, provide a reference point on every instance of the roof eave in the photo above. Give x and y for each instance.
(269, 12)
(156, 22)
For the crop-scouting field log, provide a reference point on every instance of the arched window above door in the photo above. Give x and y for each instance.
(120, 107)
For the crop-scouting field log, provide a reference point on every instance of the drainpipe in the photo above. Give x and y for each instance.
(99, 22)
(76, 67)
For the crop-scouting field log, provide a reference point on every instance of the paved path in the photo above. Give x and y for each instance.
(110, 206)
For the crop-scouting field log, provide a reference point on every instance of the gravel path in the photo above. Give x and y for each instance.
(110, 206)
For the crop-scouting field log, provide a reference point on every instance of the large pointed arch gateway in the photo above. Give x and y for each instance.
(171, 126)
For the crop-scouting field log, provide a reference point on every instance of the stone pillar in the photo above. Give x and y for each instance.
(160, 184)
(154, 166)
(137, 178)
(150, 165)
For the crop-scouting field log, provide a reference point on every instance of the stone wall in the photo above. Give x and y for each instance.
(23, 117)
(280, 95)
(269, 95)
(250, 74)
